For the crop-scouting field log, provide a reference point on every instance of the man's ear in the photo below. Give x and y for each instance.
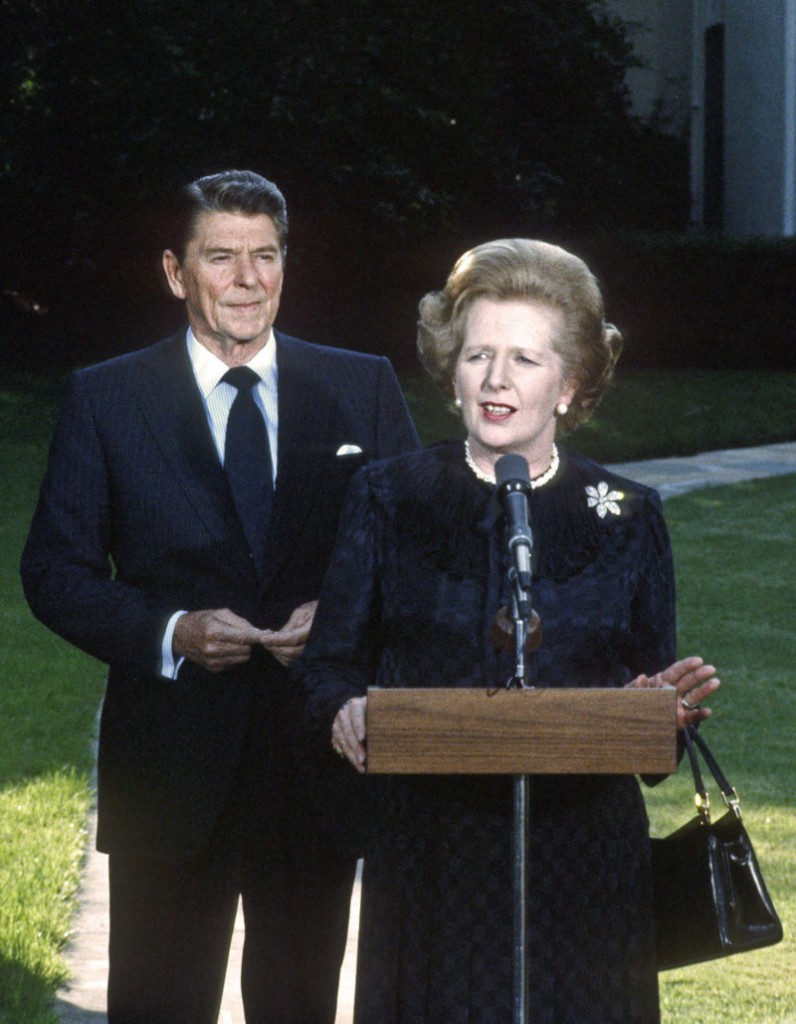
(173, 272)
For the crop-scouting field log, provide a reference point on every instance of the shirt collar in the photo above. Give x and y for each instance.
(209, 369)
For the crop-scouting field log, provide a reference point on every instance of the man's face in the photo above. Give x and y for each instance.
(231, 280)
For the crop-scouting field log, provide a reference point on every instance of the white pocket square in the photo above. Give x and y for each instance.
(349, 449)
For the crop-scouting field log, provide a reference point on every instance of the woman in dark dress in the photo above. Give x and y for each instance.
(517, 338)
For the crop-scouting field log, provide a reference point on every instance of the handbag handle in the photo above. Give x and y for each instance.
(728, 793)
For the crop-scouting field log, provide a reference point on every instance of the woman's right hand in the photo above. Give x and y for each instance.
(348, 732)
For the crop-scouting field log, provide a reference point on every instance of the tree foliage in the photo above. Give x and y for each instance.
(392, 121)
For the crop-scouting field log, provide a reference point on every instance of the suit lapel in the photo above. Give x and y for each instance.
(172, 405)
(306, 418)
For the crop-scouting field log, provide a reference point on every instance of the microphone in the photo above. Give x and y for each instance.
(513, 485)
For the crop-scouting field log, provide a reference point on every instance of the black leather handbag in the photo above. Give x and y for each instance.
(710, 897)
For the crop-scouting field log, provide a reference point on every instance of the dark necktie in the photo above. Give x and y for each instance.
(247, 462)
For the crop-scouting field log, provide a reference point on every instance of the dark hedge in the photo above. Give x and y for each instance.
(700, 301)
(680, 301)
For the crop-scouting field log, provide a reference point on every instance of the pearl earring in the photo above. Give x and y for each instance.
(457, 402)
(562, 409)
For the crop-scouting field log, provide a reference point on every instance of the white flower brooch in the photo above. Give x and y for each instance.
(604, 500)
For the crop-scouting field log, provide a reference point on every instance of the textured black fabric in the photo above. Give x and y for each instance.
(414, 584)
(247, 462)
(135, 521)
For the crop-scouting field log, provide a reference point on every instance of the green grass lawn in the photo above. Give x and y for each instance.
(48, 705)
(734, 551)
(736, 594)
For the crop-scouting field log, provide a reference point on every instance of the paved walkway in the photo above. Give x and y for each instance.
(83, 1000)
(676, 476)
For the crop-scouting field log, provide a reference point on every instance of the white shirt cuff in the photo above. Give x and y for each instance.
(169, 669)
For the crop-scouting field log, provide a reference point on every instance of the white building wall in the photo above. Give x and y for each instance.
(754, 117)
(759, 154)
(789, 137)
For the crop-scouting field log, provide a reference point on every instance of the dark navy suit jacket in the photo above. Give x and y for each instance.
(135, 520)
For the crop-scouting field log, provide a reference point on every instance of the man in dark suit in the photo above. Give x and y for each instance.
(159, 549)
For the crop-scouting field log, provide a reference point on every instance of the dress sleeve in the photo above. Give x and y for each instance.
(653, 633)
(340, 659)
(654, 628)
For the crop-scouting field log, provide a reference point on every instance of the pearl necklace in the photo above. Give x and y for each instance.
(489, 478)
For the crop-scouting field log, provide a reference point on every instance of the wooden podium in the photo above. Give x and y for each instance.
(522, 732)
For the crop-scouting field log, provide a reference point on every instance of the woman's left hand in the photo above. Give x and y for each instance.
(694, 682)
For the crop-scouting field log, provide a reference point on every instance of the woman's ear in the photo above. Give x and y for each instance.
(569, 393)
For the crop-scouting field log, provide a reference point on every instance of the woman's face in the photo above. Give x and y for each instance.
(509, 380)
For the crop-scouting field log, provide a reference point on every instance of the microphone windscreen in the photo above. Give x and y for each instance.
(512, 467)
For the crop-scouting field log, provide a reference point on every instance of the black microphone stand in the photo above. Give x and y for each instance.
(520, 614)
(513, 486)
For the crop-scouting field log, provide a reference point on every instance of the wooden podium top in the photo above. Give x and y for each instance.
(521, 732)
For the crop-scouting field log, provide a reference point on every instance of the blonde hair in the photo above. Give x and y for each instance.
(521, 268)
